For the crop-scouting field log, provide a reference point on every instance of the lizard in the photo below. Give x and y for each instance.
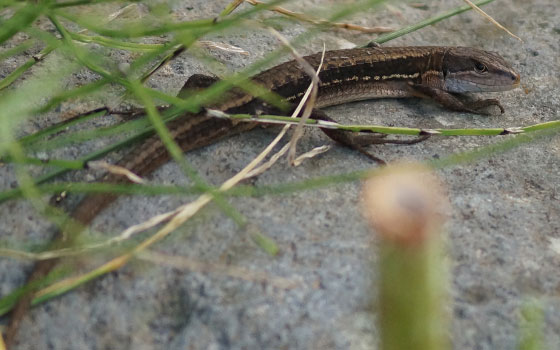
(442, 74)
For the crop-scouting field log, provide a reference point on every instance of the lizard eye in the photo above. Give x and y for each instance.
(480, 68)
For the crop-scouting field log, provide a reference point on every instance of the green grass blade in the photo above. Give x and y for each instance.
(432, 20)
(21, 19)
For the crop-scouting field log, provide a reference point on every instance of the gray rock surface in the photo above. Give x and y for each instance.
(503, 234)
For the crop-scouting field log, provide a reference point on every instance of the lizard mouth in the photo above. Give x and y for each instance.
(499, 83)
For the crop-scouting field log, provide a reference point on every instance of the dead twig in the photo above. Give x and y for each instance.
(479, 10)
(320, 21)
(116, 170)
(184, 263)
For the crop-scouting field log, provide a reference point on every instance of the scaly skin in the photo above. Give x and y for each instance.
(438, 73)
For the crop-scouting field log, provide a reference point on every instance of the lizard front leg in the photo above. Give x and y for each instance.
(453, 102)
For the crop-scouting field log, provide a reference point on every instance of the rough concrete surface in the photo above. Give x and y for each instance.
(503, 234)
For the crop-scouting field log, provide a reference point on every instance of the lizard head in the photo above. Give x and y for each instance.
(467, 69)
